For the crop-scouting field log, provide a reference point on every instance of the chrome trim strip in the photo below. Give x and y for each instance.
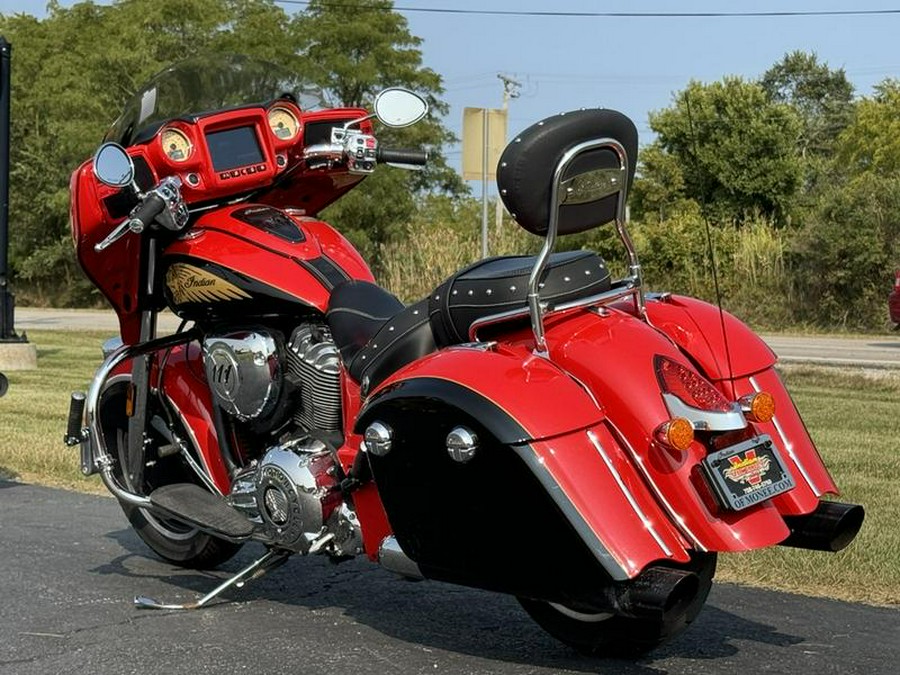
(705, 420)
(648, 524)
(612, 566)
(677, 518)
(788, 446)
(203, 472)
(598, 299)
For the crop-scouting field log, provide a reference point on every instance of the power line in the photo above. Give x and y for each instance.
(608, 15)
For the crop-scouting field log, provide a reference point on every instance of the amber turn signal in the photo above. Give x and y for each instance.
(759, 407)
(677, 433)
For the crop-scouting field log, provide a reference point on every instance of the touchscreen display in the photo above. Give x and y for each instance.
(232, 148)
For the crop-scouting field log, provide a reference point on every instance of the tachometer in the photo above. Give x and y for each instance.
(176, 145)
(283, 123)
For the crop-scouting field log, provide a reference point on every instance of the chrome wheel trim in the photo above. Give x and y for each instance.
(585, 617)
(165, 530)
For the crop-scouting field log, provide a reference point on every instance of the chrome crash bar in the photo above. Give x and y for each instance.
(97, 458)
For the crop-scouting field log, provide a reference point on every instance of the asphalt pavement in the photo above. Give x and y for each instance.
(71, 567)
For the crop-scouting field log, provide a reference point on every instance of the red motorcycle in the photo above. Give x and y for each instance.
(533, 426)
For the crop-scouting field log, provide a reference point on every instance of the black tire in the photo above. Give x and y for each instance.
(605, 634)
(170, 539)
(177, 543)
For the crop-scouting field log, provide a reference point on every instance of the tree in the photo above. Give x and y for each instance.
(871, 142)
(735, 147)
(66, 91)
(359, 53)
(822, 98)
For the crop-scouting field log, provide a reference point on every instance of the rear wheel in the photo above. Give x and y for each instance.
(170, 539)
(603, 633)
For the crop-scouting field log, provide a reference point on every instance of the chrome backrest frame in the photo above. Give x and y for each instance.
(558, 196)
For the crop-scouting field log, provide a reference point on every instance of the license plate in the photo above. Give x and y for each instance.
(747, 473)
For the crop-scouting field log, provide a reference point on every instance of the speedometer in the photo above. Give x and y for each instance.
(283, 123)
(176, 145)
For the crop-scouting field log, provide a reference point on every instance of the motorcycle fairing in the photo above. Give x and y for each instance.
(612, 353)
(544, 440)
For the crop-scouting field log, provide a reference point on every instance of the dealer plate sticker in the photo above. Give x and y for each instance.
(747, 473)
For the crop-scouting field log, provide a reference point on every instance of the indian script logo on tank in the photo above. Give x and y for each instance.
(192, 284)
(748, 469)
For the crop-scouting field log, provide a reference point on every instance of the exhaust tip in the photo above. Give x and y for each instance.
(659, 591)
(831, 527)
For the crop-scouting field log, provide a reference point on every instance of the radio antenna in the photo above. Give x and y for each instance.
(704, 208)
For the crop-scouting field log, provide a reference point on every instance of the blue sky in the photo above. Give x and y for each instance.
(631, 64)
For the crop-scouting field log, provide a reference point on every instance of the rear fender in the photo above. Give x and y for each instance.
(696, 327)
(612, 353)
(746, 367)
(536, 425)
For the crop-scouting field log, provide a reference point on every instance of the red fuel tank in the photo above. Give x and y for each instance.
(252, 259)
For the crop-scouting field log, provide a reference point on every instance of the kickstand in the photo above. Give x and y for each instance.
(270, 560)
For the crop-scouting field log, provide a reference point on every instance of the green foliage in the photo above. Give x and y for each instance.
(822, 98)
(67, 89)
(735, 148)
(360, 53)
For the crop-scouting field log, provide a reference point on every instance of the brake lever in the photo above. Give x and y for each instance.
(130, 225)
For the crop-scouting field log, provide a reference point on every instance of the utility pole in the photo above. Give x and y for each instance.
(510, 90)
(15, 352)
(6, 299)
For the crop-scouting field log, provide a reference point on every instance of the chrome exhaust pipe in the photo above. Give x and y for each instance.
(656, 592)
(831, 527)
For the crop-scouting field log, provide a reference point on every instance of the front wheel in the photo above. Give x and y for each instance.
(170, 539)
(607, 634)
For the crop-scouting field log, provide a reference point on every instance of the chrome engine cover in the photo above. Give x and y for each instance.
(294, 497)
(244, 372)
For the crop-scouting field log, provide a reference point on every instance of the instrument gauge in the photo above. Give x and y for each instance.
(283, 123)
(176, 145)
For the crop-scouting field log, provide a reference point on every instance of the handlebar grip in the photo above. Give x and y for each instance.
(402, 156)
(151, 207)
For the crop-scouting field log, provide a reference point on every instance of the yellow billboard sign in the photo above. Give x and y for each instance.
(482, 128)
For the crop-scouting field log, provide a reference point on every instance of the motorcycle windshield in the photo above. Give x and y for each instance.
(206, 84)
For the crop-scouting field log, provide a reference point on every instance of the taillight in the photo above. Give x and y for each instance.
(689, 386)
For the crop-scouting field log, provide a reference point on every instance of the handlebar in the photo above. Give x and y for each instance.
(162, 205)
(402, 156)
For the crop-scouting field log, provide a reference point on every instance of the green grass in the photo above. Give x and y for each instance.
(854, 419)
(33, 413)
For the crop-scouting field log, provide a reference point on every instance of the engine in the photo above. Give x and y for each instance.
(293, 495)
(252, 375)
(291, 389)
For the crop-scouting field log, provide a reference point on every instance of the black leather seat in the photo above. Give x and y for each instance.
(375, 334)
(498, 285)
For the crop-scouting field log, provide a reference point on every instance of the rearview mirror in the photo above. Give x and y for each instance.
(396, 107)
(113, 166)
